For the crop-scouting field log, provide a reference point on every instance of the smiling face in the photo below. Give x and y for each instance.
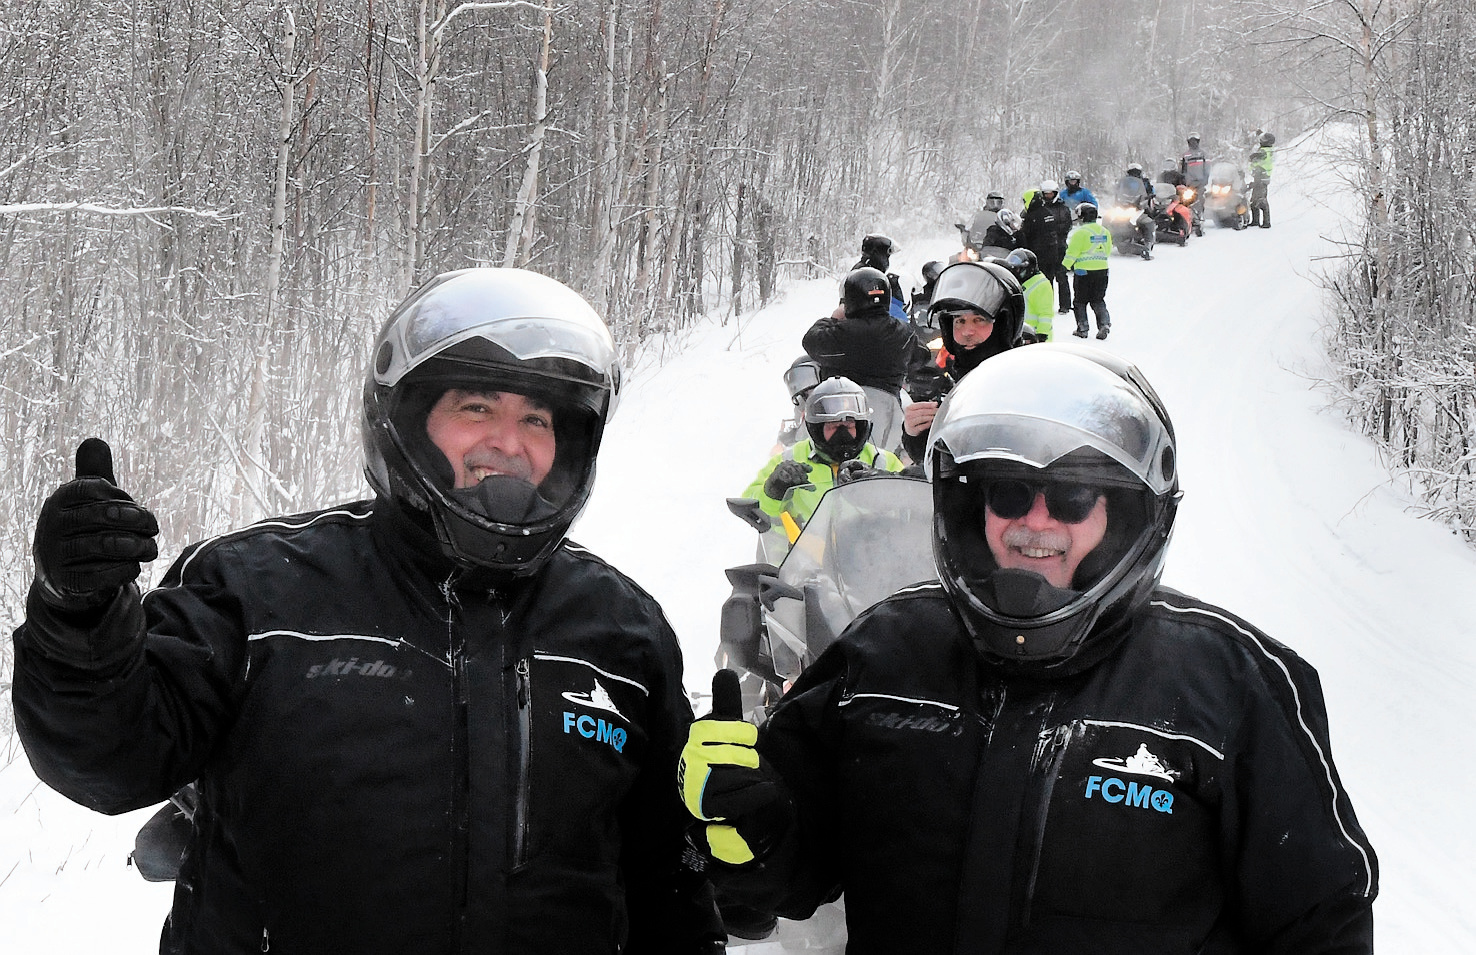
(970, 329)
(482, 433)
(1039, 542)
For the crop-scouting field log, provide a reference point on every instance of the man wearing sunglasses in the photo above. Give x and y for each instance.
(1044, 750)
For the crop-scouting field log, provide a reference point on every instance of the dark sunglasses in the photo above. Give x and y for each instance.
(1067, 503)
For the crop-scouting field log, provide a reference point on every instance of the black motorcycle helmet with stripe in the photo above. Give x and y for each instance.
(489, 330)
(866, 291)
(1063, 415)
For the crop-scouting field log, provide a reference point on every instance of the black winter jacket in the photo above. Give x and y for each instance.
(872, 349)
(1044, 230)
(1179, 797)
(388, 762)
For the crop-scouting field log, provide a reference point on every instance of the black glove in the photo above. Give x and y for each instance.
(913, 471)
(852, 470)
(90, 536)
(786, 474)
(724, 782)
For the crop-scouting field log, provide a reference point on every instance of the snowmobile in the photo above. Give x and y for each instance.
(866, 540)
(1225, 199)
(1122, 219)
(1172, 220)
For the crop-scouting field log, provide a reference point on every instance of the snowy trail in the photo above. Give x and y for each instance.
(1288, 520)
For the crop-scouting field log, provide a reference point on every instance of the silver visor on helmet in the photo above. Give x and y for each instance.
(1010, 413)
(972, 284)
(847, 405)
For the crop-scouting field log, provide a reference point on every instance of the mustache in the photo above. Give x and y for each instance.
(1023, 537)
(495, 460)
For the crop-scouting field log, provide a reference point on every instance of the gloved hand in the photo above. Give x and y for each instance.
(723, 781)
(786, 474)
(913, 471)
(851, 470)
(90, 536)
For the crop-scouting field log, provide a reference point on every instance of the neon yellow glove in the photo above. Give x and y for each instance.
(723, 782)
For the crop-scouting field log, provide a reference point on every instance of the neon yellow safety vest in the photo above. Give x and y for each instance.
(1088, 247)
(1040, 305)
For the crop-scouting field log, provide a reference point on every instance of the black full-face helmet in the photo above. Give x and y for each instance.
(865, 290)
(488, 330)
(838, 399)
(987, 288)
(1022, 263)
(1055, 419)
(1087, 212)
(1267, 139)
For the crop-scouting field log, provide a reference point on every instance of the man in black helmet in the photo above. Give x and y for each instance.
(1044, 750)
(408, 729)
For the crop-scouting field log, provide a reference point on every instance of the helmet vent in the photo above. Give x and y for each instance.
(384, 358)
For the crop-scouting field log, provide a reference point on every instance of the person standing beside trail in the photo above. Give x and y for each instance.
(1261, 162)
(1088, 250)
(1044, 750)
(1047, 222)
(868, 346)
(409, 731)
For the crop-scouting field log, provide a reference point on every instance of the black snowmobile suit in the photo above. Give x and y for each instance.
(1177, 797)
(871, 348)
(388, 762)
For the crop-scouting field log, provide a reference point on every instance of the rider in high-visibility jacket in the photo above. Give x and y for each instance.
(1087, 249)
(1261, 161)
(838, 419)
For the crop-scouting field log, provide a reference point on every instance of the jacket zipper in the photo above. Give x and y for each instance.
(460, 762)
(1054, 743)
(525, 755)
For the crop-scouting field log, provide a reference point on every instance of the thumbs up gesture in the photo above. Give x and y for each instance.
(724, 782)
(91, 536)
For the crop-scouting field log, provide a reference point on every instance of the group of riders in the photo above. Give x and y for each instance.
(1138, 210)
(873, 373)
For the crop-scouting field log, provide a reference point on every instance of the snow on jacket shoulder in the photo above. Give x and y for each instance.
(1177, 798)
(387, 763)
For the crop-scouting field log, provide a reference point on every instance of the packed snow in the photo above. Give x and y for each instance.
(1288, 519)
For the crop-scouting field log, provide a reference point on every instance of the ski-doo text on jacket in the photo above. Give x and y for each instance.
(391, 757)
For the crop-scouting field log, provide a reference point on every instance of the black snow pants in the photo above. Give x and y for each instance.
(1260, 209)
(1091, 289)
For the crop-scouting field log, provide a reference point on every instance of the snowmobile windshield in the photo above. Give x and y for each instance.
(866, 540)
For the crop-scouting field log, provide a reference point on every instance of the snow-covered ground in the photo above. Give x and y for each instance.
(1288, 520)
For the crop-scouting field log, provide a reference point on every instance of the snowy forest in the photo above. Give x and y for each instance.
(207, 208)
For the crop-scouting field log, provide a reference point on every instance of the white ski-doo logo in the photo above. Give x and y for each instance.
(1141, 763)
(598, 699)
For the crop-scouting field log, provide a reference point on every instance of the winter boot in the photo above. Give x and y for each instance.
(1102, 332)
(1080, 332)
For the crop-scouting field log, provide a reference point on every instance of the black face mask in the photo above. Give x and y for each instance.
(842, 447)
(504, 499)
